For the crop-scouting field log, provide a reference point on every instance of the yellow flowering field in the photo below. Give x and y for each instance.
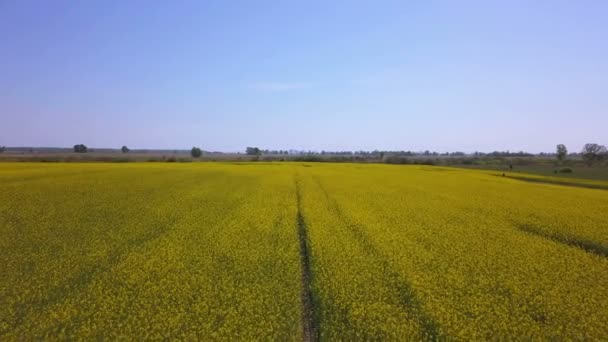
(292, 251)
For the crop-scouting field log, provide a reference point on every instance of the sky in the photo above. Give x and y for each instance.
(307, 75)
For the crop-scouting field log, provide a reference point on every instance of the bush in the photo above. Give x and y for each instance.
(395, 159)
(467, 162)
(427, 162)
(564, 170)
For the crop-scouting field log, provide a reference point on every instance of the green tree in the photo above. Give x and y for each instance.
(562, 152)
(196, 152)
(125, 149)
(593, 152)
(253, 151)
(80, 148)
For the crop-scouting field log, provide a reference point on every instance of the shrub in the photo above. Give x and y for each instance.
(395, 159)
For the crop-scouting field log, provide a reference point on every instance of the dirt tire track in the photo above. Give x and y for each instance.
(310, 326)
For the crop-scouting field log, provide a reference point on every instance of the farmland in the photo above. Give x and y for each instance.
(292, 251)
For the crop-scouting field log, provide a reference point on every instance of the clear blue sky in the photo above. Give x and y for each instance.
(333, 75)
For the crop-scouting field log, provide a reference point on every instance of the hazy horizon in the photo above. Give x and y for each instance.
(242, 151)
(444, 76)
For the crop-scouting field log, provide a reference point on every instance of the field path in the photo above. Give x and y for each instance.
(309, 323)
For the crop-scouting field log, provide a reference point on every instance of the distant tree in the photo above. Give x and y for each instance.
(561, 151)
(2, 149)
(593, 152)
(253, 151)
(196, 152)
(80, 148)
(125, 149)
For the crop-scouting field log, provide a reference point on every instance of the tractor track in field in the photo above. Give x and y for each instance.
(586, 245)
(407, 296)
(83, 279)
(310, 326)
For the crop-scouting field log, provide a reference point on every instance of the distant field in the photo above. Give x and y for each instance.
(537, 165)
(579, 170)
(292, 251)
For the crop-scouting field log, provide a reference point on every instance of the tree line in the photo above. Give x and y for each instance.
(591, 153)
(195, 152)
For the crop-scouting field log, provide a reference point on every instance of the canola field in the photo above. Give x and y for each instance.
(295, 251)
